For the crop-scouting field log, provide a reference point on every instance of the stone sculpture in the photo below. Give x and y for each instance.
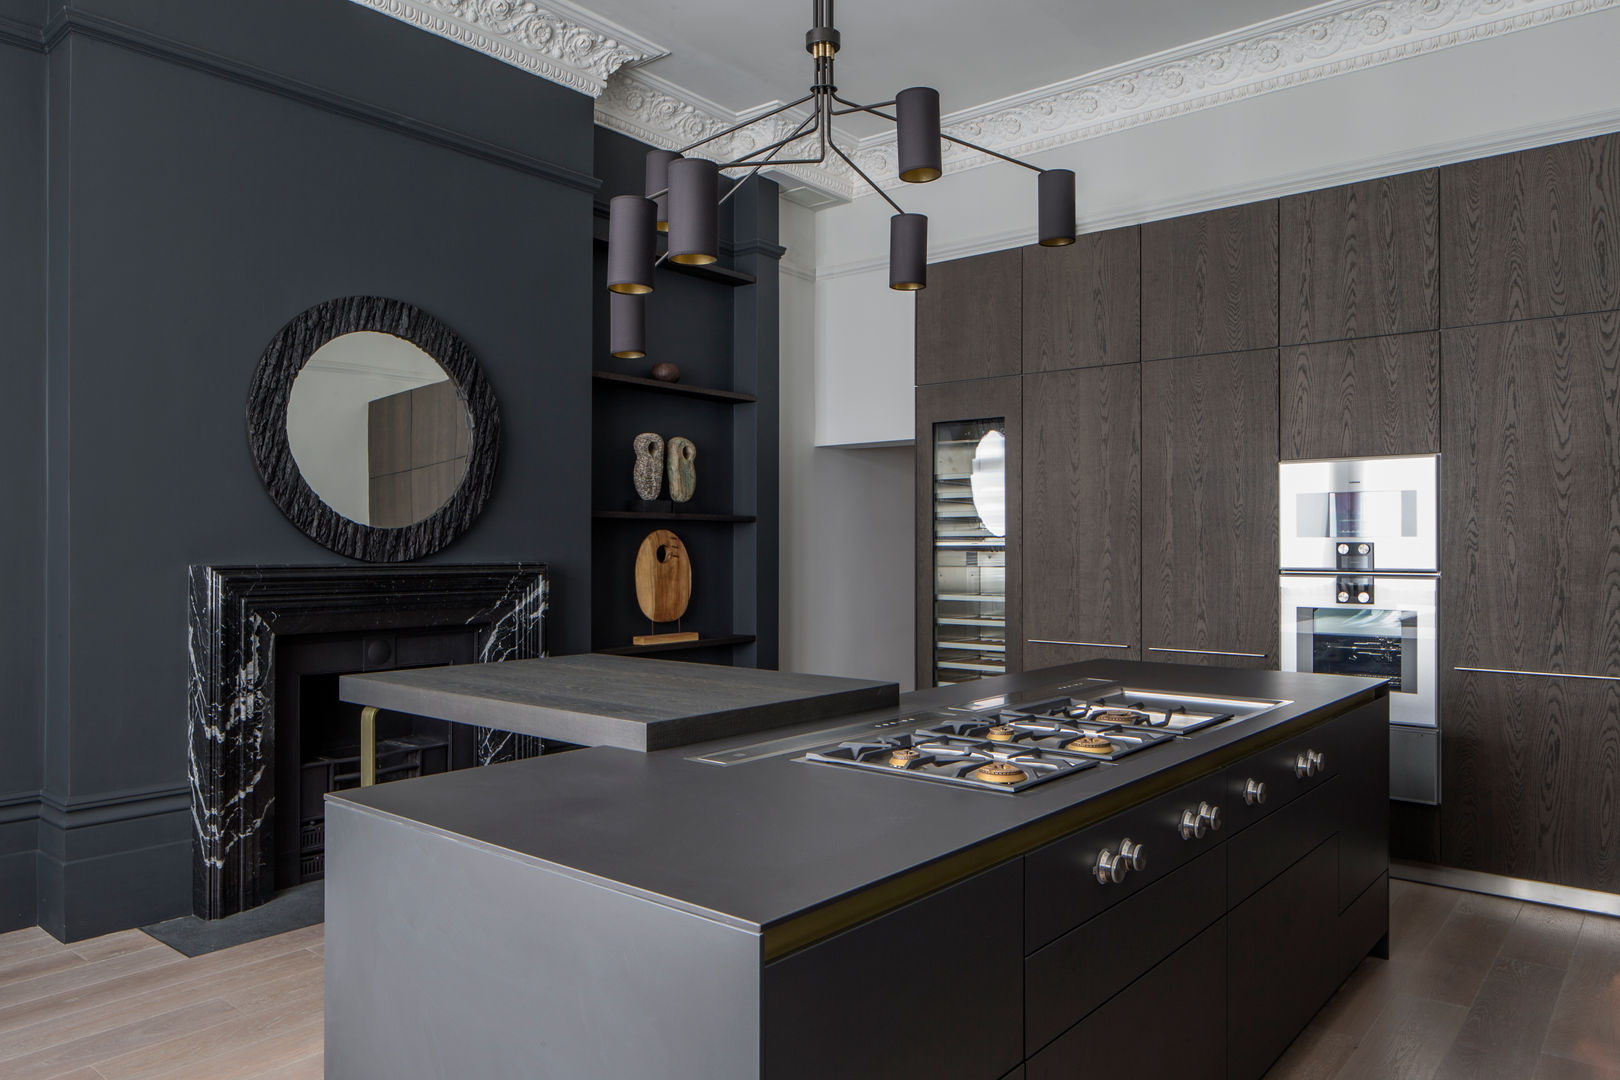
(682, 469)
(649, 468)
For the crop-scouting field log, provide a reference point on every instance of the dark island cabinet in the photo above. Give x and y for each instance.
(1209, 282)
(931, 989)
(1362, 398)
(1082, 302)
(1082, 551)
(1531, 234)
(969, 319)
(1209, 510)
(1360, 260)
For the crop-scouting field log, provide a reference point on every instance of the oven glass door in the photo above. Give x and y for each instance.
(1393, 637)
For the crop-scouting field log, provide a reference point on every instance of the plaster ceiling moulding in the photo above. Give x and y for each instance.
(657, 112)
(555, 40)
(1323, 41)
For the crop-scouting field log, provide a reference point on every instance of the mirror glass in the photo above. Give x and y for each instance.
(378, 429)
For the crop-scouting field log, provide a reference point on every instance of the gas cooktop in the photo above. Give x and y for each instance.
(1006, 745)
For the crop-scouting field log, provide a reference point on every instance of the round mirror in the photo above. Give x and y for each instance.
(373, 428)
(378, 430)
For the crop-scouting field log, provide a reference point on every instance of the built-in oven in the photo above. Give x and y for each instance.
(1358, 550)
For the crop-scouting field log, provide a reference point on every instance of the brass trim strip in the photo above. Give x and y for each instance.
(1540, 674)
(368, 746)
(847, 912)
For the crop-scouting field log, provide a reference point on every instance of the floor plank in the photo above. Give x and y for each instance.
(78, 1053)
(1544, 935)
(1409, 1039)
(1501, 1038)
(1557, 1068)
(1455, 964)
(1585, 1025)
(110, 945)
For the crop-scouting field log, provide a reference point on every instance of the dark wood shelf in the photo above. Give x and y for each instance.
(673, 646)
(711, 393)
(650, 515)
(723, 275)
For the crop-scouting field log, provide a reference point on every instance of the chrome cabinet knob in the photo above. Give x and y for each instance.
(1254, 792)
(1110, 868)
(1133, 854)
(1192, 825)
(1210, 816)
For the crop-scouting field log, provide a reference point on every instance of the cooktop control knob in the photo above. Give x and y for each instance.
(1111, 868)
(1254, 792)
(1192, 825)
(1210, 816)
(1318, 761)
(1133, 854)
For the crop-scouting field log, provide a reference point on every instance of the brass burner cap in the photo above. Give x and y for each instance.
(1118, 716)
(1000, 733)
(1091, 744)
(904, 759)
(1000, 772)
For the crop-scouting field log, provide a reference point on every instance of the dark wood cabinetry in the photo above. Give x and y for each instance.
(1082, 302)
(1530, 496)
(1362, 398)
(1082, 549)
(969, 319)
(1209, 282)
(1531, 234)
(1360, 260)
(1209, 509)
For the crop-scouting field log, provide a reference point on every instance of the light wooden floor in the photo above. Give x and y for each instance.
(124, 1006)
(1475, 988)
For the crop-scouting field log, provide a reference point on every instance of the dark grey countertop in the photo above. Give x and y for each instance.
(757, 844)
(596, 700)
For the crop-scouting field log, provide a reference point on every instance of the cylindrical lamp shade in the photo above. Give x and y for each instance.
(632, 240)
(693, 211)
(917, 131)
(627, 325)
(908, 252)
(1056, 207)
(658, 180)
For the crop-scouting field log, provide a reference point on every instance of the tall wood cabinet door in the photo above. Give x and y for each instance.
(1530, 496)
(943, 564)
(1531, 234)
(1083, 302)
(1209, 282)
(1082, 515)
(970, 318)
(1361, 260)
(1527, 779)
(1362, 398)
(1209, 510)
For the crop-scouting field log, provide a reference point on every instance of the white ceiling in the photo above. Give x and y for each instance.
(743, 54)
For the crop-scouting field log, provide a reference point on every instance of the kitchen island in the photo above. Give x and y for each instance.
(733, 910)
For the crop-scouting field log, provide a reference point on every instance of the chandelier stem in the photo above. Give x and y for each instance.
(851, 163)
(744, 123)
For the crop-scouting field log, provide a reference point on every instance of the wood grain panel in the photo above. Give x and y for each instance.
(438, 424)
(1209, 282)
(1082, 514)
(1360, 260)
(1528, 776)
(970, 318)
(1362, 398)
(1531, 234)
(388, 434)
(975, 400)
(1530, 496)
(1083, 302)
(1209, 508)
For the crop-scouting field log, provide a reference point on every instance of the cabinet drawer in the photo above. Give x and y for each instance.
(1258, 854)
(1360, 927)
(1168, 1023)
(1277, 769)
(1067, 979)
(1061, 888)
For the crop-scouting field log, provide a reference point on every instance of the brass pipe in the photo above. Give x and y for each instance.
(368, 746)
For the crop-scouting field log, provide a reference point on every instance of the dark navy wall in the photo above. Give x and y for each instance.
(22, 450)
(215, 169)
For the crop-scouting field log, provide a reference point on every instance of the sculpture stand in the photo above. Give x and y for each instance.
(656, 638)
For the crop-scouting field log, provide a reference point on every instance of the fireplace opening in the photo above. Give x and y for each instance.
(317, 737)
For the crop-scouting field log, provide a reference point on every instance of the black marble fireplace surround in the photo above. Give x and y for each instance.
(236, 615)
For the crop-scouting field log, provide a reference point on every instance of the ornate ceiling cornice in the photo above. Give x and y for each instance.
(1330, 39)
(555, 39)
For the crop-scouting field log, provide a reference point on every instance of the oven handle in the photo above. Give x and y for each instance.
(1541, 674)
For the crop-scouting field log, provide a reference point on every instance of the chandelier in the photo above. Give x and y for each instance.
(683, 198)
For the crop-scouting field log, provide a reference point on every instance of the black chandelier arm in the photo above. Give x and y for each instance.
(851, 163)
(744, 123)
(992, 153)
(855, 107)
(797, 132)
